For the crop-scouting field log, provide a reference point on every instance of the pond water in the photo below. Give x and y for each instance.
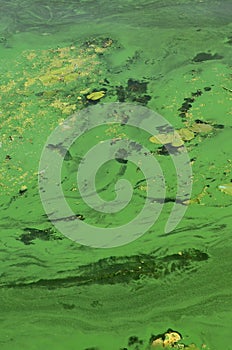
(146, 86)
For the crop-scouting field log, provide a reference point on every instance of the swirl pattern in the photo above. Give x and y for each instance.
(123, 150)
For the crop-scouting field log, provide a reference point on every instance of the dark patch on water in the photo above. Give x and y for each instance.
(206, 56)
(134, 91)
(30, 234)
(126, 269)
(134, 340)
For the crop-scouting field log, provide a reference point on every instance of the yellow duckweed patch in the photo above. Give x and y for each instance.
(31, 55)
(7, 87)
(29, 82)
(99, 49)
(65, 107)
(38, 91)
(64, 75)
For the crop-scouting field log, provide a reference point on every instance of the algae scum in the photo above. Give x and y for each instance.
(164, 289)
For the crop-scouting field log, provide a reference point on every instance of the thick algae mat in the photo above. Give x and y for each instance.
(174, 58)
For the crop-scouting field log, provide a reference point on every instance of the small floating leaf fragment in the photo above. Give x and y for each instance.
(226, 188)
(94, 96)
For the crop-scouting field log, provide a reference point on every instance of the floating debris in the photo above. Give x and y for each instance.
(167, 339)
(171, 340)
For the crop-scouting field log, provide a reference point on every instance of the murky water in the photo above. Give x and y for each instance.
(60, 58)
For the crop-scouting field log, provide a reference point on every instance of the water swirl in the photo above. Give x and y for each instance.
(124, 150)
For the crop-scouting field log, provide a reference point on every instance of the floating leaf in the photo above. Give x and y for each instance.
(201, 127)
(177, 140)
(186, 134)
(94, 96)
(226, 188)
(163, 139)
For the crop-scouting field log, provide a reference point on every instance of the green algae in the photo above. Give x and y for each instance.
(114, 270)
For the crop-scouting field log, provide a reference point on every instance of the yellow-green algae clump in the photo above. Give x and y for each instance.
(172, 340)
(43, 88)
